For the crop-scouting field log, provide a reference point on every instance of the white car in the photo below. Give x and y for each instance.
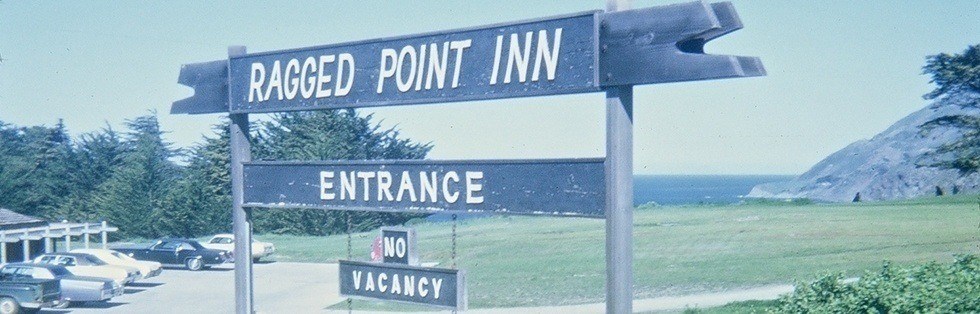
(87, 265)
(226, 242)
(147, 268)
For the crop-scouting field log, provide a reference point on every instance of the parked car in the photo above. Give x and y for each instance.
(73, 289)
(226, 242)
(177, 252)
(146, 268)
(20, 292)
(88, 265)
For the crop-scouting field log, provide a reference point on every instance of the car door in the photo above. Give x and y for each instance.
(165, 252)
(185, 250)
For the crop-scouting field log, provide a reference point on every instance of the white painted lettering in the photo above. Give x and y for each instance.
(408, 52)
(450, 197)
(428, 186)
(275, 81)
(496, 60)
(517, 58)
(308, 81)
(382, 287)
(369, 285)
(409, 285)
(365, 179)
(384, 186)
(546, 54)
(348, 186)
(326, 184)
(423, 291)
(387, 67)
(459, 45)
(255, 84)
(292, 78)
(357, 279)
(436, 286)
(346, 61)
(396, 286)
(323, 79)
(472, 187)
(437, 66)
(406, 185)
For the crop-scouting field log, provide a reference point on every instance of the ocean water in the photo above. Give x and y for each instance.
(680, 190)
(696, 189)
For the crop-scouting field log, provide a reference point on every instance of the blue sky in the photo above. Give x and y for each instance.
(839, 71)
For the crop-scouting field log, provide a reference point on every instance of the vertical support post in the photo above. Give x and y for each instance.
(67, 239)
(619, 199)
(241, 151)
(48, 247)
(105, 235)
(3, 247)
(619, 191)
(27, 248)
(86, 235)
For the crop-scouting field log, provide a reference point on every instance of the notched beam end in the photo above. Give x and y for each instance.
(676, 51)
(727, 18)
(210, 83)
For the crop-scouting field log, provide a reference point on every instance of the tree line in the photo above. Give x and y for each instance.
(139, 182)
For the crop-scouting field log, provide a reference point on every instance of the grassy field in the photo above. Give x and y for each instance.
(526, 261)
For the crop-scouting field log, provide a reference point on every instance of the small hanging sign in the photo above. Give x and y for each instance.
(398, 246)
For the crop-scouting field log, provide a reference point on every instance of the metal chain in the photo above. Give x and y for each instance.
(454, 247)
(454, 242)
(350, 305)
(349, 256)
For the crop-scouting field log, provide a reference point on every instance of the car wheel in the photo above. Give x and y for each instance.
(9, 306)
(194, 264)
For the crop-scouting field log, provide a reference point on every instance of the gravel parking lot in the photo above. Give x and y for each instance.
(279, 288)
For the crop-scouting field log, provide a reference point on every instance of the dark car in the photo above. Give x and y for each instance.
(178, 252)
(24, 294)
(74, 289)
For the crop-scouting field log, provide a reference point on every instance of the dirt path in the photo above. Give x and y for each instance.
(671, 303)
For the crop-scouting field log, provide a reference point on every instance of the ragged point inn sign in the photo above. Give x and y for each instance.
(596, 51)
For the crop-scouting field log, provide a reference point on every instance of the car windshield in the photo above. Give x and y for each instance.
(196, 245)
(93, 260)
(122, 256)
(59, 271)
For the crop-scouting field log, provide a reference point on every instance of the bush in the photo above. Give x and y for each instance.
(929, 288)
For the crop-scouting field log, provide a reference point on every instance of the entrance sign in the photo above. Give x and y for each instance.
(576, 53)
(587, 52)
(393, 282)
(398, 246)
(565, 187)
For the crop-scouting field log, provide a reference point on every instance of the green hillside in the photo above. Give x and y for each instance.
(522, 261)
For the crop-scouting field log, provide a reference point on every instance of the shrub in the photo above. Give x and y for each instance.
(929, 288)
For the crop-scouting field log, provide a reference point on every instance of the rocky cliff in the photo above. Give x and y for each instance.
(888, 166)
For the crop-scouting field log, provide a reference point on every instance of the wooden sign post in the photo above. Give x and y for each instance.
(586, 52)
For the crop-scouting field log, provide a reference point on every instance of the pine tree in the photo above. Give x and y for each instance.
(139, 191)
(96, 157)
(957, 74)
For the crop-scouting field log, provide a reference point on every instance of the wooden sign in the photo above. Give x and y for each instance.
(398, 246)
(393, 282)
(574, 53)
(563, 187)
